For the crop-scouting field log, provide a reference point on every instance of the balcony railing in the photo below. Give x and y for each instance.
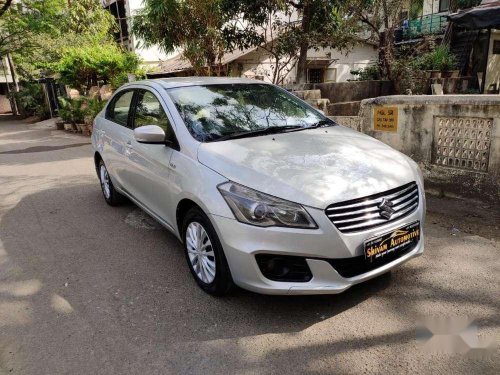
(425, 25)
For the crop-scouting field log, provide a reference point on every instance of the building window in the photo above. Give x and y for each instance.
(444, 5)
(118, 10)
(315, 75)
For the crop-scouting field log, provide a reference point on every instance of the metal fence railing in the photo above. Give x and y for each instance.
(425, 25)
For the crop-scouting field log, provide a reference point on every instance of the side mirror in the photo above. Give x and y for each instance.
(149, 134)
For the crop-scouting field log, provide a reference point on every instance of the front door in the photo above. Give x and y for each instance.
(149, 163)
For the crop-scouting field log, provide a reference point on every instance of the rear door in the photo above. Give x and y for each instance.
(117, 131)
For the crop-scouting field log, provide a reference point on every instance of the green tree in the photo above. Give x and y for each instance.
(379, 18)
(90, 64)
(203, 29)
(321, 25)
(21, 21)
(89, 17)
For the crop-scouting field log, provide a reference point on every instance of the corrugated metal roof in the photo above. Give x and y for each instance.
(179, 63)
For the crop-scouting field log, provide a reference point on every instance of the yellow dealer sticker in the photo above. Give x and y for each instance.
(385, 119)
(400, 239)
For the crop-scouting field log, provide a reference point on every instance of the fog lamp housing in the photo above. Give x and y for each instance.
(284, 268)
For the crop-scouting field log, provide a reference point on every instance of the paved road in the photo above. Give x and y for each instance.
(90, 289)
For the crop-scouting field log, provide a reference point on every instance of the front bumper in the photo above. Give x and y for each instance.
(242, 242)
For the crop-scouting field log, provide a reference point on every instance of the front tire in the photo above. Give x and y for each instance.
(111, 196)
(204, 254)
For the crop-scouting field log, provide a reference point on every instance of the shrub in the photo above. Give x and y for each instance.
(92, 108)
(31, 100)
(440, 59)
(367, 74)
(93, 63)
(407, 79)
(72, 110)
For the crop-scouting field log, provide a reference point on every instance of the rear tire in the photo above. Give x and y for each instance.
(204, 254)
(111, 196)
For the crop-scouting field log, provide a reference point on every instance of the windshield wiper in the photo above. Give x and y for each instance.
(264, 131)
(320, 123)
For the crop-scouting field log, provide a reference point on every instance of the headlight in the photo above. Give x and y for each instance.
(252, 207)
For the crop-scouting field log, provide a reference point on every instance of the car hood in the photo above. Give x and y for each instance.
(315, 167)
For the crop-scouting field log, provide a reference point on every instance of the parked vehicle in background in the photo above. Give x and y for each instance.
(263, 190)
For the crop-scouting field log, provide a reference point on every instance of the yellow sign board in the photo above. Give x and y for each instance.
(385, 118)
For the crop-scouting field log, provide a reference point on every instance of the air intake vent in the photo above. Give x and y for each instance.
(375, 210)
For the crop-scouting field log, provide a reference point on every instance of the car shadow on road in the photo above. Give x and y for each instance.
(130, 282)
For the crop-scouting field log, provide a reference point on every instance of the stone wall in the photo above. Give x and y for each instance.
(455, 138)
(340, 92)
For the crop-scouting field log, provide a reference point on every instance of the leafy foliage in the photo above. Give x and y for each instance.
(439, 59)
(205, 29)
(89, 17)
(25, 19)
(379, 18)
(72, 110)
(367, 74)
(196, 26)
(38, 32)
(31, 100)
(90, 64)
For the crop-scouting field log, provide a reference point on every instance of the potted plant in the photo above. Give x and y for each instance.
(92, 108)
(65, 113)
(444, 61)
(71, 112)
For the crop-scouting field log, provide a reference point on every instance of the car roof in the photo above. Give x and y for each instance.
(168, 83)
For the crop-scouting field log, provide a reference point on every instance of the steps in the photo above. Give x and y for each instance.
(344, 108)
(313, 97)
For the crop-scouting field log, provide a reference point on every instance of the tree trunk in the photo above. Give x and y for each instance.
(304, 43)
(386, 55)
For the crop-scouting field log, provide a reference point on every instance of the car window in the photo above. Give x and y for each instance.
(150, 112)
(215, 111)
(119, 108)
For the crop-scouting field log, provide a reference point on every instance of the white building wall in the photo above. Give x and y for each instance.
(430, 7)
(258, 64)
(339, 70)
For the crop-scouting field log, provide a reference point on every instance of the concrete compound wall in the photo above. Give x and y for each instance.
(341, 92)
(455, 138)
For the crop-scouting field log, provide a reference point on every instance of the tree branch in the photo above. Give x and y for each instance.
(295, 5)
(5, 6)
(366, 21)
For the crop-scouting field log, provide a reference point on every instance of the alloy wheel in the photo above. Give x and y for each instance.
(105, 182)
(200, 252)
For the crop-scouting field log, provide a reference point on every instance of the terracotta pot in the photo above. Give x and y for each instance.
(87, 129)
(59, 125)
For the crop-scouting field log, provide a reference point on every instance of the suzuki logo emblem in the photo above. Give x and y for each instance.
(386, 210)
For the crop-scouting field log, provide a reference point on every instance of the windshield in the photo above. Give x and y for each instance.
(215, 112)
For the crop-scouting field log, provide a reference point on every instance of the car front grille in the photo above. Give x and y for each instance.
(368, 212)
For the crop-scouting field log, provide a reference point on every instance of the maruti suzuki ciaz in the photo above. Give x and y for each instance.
(263, 190)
